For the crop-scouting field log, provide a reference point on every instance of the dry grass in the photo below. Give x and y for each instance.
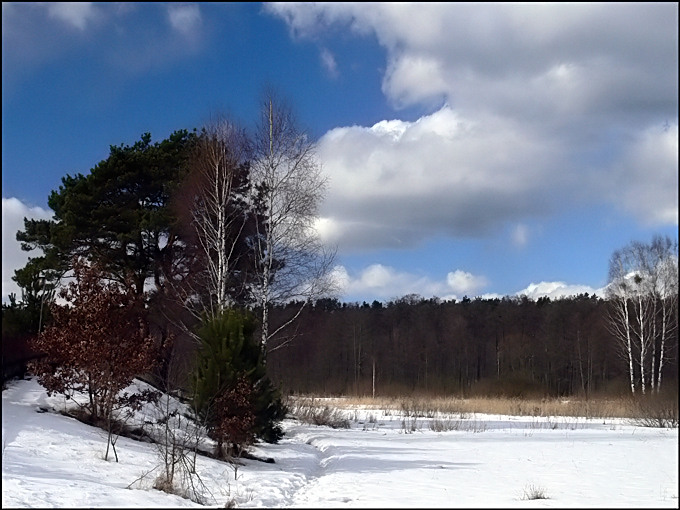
(317, 412)
(532, 492)
(606, 408)
(447, 424)
(655, 411)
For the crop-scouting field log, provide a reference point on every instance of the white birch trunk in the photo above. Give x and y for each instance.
(217, 224)
(642, 341)
(288, 178)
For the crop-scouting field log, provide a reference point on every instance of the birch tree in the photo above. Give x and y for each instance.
(292, 263)
(662, 267)
(618, 316)
(216, 209)
(230, 387)
(642, 291)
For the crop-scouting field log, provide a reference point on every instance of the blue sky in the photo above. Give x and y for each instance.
(471, 149)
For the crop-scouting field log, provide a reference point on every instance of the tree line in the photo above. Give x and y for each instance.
(514, 346)
(511, 346)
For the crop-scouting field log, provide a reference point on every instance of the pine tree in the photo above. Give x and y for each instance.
(232, 393)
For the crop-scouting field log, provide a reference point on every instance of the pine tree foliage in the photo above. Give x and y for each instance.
(231, 391)
(117, 214)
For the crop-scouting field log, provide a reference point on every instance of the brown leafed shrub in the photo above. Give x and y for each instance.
(96, 344)
(235, 423)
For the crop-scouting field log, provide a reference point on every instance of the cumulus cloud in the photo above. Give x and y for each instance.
(415, 79)
(558, 290)
(398, 182)
(13, 213)
(382, 282)
(464, 283)
(645, 180)
(538, 99)
(575, 50)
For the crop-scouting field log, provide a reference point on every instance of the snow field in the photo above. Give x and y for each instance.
(51, 460)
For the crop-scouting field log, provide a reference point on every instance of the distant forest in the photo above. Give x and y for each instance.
(514, 347)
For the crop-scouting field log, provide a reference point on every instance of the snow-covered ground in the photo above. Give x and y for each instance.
(383, 460)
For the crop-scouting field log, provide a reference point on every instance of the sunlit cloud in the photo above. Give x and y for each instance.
(558, 290)
(13, 257)
(382, 282)
(397, 183)
(464, 283)
(535, 98)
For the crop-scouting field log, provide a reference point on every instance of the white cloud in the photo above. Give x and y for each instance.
(397, 182)
(307, 20)
(328, 62)
(415, 79)
(510, 53)
(13, 213)
(186, 19)
(558, 290)
(76, 14)
(464, 283)
(381, 282)
(645, 180)
(539, 99)
(520, 235)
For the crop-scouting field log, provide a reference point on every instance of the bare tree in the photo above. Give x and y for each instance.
(177, 432)
(215, 206)
(642, 290)
(661, 265)
(292, 263)
(618, 313)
